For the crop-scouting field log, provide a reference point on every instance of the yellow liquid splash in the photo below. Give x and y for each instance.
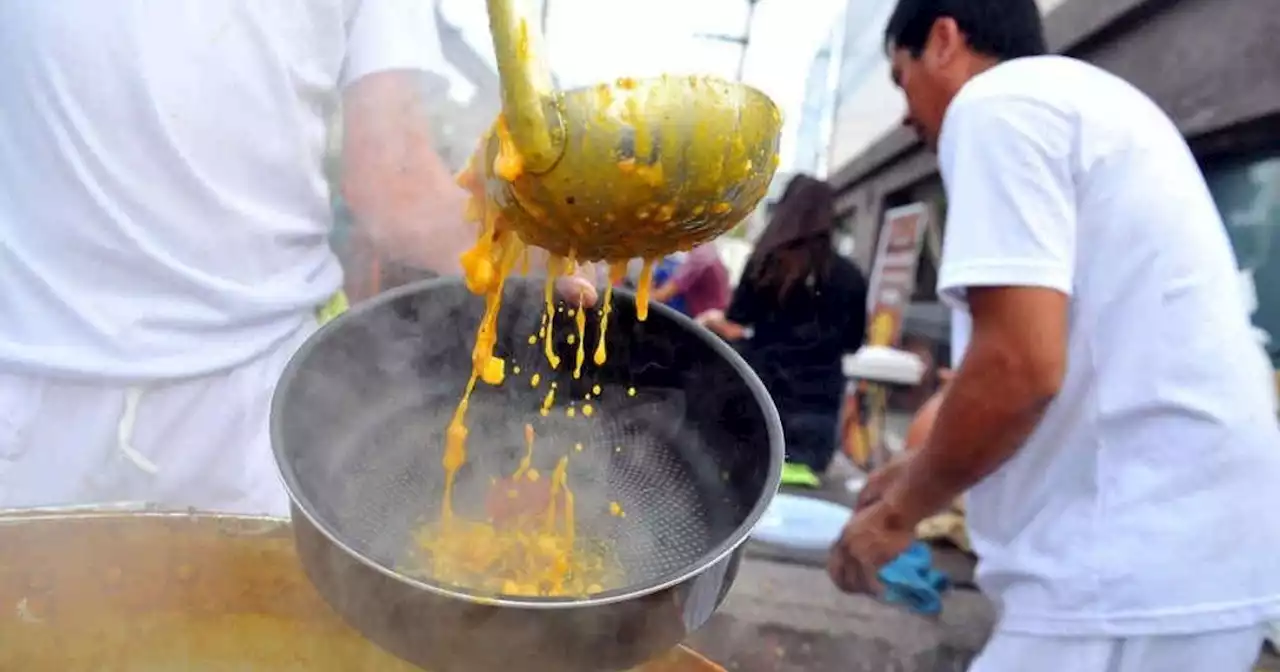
(642, 290)
(527, 544)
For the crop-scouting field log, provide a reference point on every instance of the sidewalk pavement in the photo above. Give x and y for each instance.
(783, 617)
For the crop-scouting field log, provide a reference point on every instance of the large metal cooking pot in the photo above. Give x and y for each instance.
(683, 436)
(128, 591)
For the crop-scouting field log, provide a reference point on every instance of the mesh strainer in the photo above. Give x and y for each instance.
(681, 435)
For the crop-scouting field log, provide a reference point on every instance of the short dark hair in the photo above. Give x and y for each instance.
(1002, 29)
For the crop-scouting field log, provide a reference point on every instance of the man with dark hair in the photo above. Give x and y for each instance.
(1112, 418)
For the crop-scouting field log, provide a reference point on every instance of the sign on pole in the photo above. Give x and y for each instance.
(892, 283)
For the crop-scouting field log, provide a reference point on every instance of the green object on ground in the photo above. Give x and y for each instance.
(335, 307)
(799, 475)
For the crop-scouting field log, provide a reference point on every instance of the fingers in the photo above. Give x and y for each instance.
(873, 489)
(850, 574)
(879, 482)
(872, 585)
(864, 547)
(580, 287)
(836, 570)
(577, 291)
(868, 496)
(710, 316)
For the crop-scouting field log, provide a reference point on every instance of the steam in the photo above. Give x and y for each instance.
(367, 413)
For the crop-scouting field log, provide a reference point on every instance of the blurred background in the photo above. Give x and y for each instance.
(1212, 65)
(823, 61)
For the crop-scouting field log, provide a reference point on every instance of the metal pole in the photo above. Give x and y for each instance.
(743, 41)
(746, 37)
(546, 12)
(833, 99)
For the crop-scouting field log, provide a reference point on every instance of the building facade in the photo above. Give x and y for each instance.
(1213, 65)
(811, 143)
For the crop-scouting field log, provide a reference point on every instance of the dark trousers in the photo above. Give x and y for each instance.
(810, 438)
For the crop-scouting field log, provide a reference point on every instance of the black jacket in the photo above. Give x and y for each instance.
(800, 339)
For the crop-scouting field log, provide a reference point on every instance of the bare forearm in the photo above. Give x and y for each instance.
(726, 329)
(666, 292)
(401, 194)
(989, 409)
(431, 236)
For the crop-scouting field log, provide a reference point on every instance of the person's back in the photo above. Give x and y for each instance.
(799, 338)
(1143, 493)
(163, 210)
(164, 222)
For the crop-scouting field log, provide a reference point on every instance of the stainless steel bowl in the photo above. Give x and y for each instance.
(357, 425)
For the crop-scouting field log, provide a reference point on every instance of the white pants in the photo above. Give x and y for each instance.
(198, 443)
(1225, 651)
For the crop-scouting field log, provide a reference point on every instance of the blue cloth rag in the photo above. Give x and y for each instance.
(911, 580)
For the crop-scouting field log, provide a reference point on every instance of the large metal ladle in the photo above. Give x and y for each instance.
(633, 168)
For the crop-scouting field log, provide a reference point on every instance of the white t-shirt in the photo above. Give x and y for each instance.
(163, 207)
(1144, 502)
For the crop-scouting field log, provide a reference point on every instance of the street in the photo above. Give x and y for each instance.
(784, 614)
(784, 617)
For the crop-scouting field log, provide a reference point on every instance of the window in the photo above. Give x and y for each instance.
(1248, 196)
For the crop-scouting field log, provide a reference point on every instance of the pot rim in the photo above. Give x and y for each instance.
(773, 428)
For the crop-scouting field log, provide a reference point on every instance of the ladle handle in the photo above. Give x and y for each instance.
(528, 92)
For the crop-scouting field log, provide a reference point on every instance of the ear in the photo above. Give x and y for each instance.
(945, 43)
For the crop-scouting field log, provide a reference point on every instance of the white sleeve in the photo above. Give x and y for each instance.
(1011, 214)
(387, 35)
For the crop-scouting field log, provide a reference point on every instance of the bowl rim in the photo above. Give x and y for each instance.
(722, 550)
(655, 80)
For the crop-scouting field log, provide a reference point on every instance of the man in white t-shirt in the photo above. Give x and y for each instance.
(163, 227)
(1112, 418)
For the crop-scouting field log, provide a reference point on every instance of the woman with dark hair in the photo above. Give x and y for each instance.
(797, 310)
